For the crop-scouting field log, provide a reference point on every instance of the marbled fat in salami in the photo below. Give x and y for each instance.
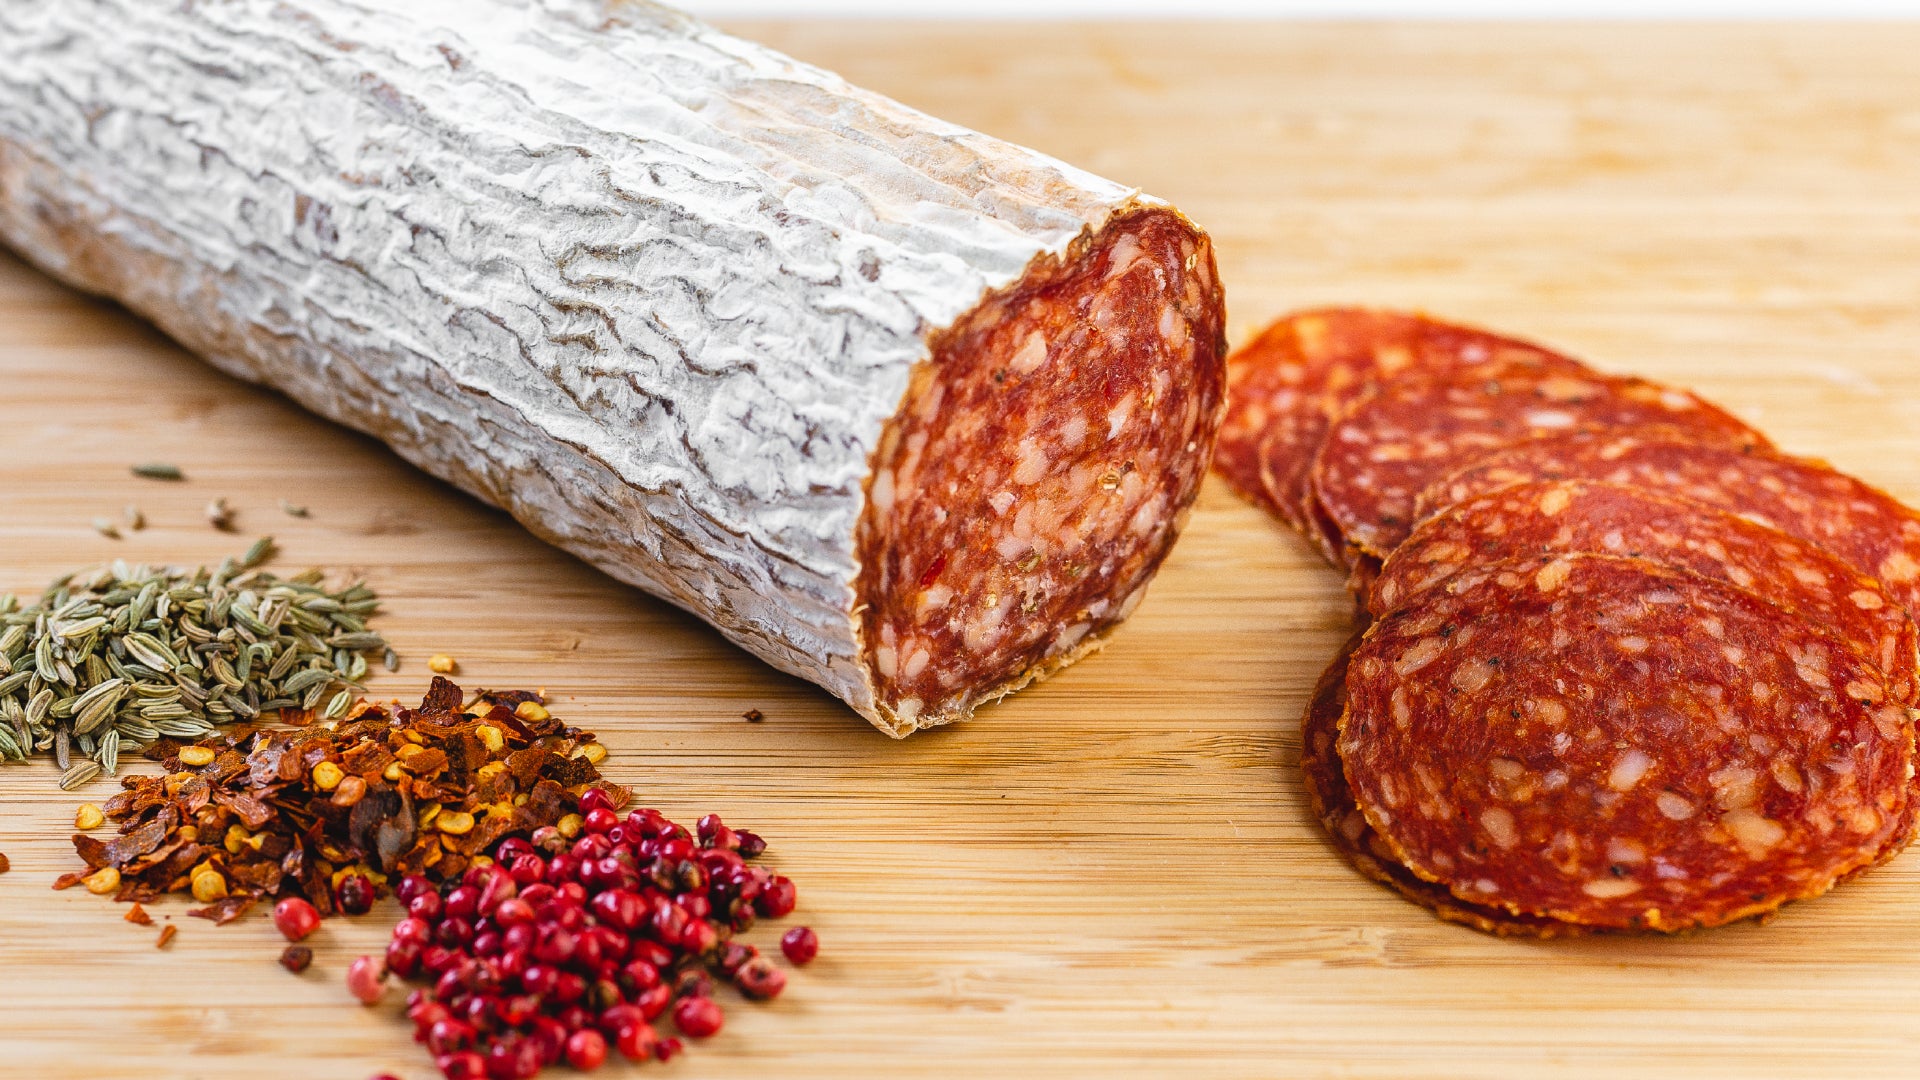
(1606, 742)
(1287, 385)
(1584, 516)
(1420, 428)
(1347, 827)
(1866, 527)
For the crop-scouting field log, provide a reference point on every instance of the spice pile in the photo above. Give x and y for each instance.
(550, 927)
(331, 813)
(580, 937)
(129, 656)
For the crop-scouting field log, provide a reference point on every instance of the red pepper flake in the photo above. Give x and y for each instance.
(5, 863)
(933, 571)
(225, 910)
(754, 716)
(331, 812)
(138, 916)
(166, 935)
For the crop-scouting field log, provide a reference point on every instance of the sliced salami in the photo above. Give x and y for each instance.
(1583, 516)
(1286, 386)
(1277, 461)
(1420, 428)
(1862, 525)
(1347, 828)
(1606, 742)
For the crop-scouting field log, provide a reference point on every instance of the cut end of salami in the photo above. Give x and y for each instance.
(1608, 743)
(1040, 469)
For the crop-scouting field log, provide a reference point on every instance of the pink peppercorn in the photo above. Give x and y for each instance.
(800, 944)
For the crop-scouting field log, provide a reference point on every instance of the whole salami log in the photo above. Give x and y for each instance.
(1608, 743)
(902, 409)
(1420, 428)
(1287, 385)
(1862, 525)
(1593, 517)
(1347, 827)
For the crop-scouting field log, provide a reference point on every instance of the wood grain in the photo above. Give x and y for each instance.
(1113, 874)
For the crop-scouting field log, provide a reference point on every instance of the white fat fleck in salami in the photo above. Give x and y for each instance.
(760, 342)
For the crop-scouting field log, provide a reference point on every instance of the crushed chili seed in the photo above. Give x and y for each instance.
(166, 935)
(754, 716)
(260, 819)
(296, 958)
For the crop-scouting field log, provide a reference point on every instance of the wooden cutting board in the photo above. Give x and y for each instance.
(1113, 874)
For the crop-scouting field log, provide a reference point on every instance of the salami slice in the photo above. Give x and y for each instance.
(1580, 516)
(1286, 386)
(1355, 840)
(905, 410)
(1610, 743)
(1420, 428)
(1276, 464)
(1862, 525)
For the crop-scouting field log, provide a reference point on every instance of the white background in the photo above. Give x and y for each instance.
(1319, 9)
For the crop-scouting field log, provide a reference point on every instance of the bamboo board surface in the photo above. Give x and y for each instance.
(1113, 874)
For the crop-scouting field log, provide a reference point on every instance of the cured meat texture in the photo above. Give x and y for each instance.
(1419, 428)
(713, 320)
(1347, 827)
(1027, 494)
(1287, 385)
(1579, 516)
(1865, 527)
(1639, 699)
(1608, 743)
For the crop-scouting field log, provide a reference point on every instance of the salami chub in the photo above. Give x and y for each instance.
(1607, 743)
(902, 409)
